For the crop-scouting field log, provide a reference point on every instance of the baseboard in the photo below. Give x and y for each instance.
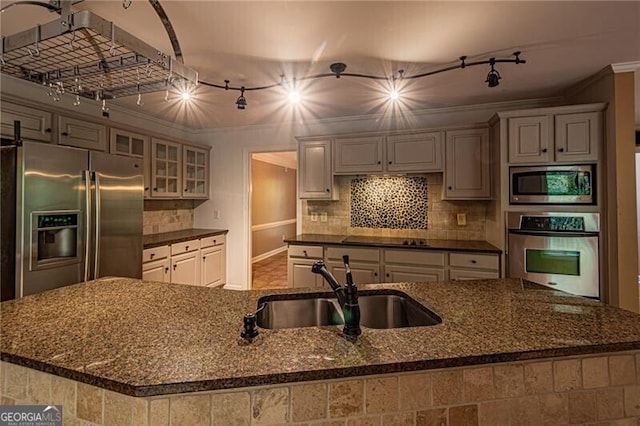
(268, 254)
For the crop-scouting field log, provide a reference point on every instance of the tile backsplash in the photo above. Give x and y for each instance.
(440, 220)
(389, 202)
(167, 216)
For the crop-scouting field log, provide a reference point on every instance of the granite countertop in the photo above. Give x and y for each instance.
(148, 338)
(395, 242)
(156, 240)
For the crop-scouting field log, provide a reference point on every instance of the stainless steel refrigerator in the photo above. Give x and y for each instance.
(70, 214)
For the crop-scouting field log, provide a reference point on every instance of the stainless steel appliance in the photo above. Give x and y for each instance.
(70, 214)
(559, 250)
(552, 185)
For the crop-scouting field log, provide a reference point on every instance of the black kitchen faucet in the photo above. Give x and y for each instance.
(347, 297)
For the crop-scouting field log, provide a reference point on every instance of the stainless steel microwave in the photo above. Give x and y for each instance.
(552, 184)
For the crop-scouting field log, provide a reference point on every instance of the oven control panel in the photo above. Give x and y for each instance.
(553, 223)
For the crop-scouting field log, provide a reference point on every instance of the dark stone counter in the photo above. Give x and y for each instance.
(156, 240)
(147, 338)
(395, 242)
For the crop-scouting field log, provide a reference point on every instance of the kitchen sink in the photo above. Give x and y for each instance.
(378, 309)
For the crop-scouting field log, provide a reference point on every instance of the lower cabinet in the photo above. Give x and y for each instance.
(213, 261)
(199, 262)
(300, 261)
(157, 270)
(387, 265)
(473, 266)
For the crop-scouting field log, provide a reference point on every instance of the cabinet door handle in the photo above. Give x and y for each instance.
(544, 149)
(152, 255)
(166, 270)
(155, 189)
(305, 253)
(560, 149)
(450, 188)
(186, 190)
(390, 162)
(174, 267)
(146, 188)
(204, 258)
(474, 261)
(64, 134)
(375, 274)
(379, 162)
(388, 275)
(47, 130)
(328, 190)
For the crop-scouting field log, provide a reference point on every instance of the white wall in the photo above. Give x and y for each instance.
(231, 157)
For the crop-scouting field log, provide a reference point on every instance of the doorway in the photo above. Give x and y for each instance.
(273, 205)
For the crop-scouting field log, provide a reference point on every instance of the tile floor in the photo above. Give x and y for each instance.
(270, 272)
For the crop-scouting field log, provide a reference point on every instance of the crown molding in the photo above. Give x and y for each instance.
(625, 67)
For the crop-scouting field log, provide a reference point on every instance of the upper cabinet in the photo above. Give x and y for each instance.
(354, 155)
(398, 153)
(131, 144)
(554, 137)
(315, 179)
(195, 172)
(166, 168)
(467, 165)
(82, 134)
(34, 124)
(420, 152)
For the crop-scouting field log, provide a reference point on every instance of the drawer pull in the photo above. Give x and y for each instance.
(215, 241)
(544, 149)
(186, 248)
(64, 134)
(474, 261)
(305, 253)
(560, 149)
(152, 255)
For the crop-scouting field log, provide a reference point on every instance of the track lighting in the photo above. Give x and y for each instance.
(493, 76)
(338, 71)
(241, 101)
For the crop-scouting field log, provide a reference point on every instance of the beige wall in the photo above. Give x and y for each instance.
(273, 201)
(620, 233)
(441, 215)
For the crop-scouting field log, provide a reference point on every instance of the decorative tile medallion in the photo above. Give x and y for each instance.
(389, 202)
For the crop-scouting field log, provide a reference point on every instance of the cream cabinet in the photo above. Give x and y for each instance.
(132, 144)
(195, 172)
(213, 261)
(555, 138)
(419, 152)
(399, 153)
(413, 265)
(156, 265)
(315, 177)
(467, 165)
(166, 167)
(358, 154)
(473, 266)
(299, 262)
(34, 123)
(185, 268)
(82, 134)
(364, 264)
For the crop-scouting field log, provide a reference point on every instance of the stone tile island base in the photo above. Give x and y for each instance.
(600, 389)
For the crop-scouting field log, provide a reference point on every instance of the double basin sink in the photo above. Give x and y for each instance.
(380, 309)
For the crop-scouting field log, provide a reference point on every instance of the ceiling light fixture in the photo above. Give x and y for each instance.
(338, 71)
(494, 76)
(241, 102)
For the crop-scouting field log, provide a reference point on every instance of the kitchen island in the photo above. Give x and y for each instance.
(124, 351)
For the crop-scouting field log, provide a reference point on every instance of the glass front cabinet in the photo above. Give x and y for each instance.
(195, 169)
(166, 162)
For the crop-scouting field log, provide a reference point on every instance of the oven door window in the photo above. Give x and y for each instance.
(545, 261)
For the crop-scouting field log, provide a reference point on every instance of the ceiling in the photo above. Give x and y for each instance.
(252, 43)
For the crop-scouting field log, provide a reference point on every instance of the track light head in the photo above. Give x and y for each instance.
(241, 102)
(494, 76)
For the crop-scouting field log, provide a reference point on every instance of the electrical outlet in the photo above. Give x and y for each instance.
(462, 219)
(314, 217)
(323, 217)
(216, 214)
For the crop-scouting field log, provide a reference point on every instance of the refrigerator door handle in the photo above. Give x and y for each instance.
(87, 221)
(96, 270)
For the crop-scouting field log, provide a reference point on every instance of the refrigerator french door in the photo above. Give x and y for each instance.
(78, 217)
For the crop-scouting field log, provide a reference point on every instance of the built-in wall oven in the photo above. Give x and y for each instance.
(558, 250)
